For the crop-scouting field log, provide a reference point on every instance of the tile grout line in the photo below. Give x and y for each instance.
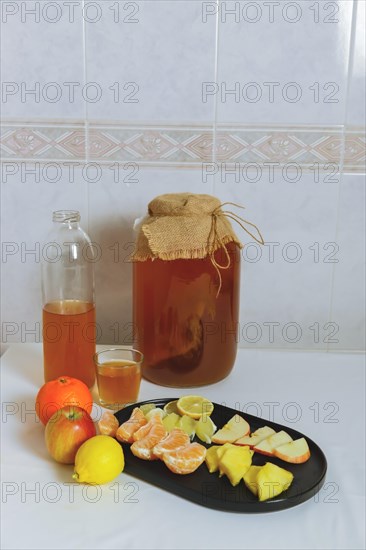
(86, 117)
(216, 72)
(350, 66)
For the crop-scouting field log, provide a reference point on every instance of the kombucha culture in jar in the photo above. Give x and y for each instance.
(186, 329)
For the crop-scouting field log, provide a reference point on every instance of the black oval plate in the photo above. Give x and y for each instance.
(212, 491)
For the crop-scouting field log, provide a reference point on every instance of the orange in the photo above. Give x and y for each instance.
(58, 393)
(175, 440)
(108, 424)
(127, 429)
(143, 448)
(185, 460)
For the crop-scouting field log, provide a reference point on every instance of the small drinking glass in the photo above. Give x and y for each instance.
(118, 376)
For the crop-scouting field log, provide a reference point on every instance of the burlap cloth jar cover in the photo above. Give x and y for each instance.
(188, 226)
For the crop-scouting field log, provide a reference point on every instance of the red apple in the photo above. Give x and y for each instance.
(66, 431)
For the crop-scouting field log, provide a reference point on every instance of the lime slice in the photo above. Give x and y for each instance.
(194, 406)
(205, 429)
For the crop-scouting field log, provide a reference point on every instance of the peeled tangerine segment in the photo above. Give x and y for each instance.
(175, 440)
(272, 481)
(185, 460)
(235, 462)
(143, 448)
(108, 424)
(127, 429)
(145, 429)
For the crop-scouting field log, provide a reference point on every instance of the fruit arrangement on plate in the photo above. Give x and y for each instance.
(180, 434)
(156, 433)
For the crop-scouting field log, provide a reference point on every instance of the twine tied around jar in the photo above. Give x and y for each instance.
(189, 226)
(217, 243)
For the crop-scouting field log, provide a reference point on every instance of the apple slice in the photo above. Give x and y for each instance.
(236, 427)
(295, 451)
(255, 437)
(268, 445)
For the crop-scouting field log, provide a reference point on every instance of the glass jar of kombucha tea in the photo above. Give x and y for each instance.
(69, 333)
(188, 332)
(186, 280)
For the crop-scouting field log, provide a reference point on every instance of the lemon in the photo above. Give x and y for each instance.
(194, 406)
(99, 460)
(205, 429)
(171, 407)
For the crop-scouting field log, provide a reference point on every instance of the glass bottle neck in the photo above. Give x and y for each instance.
(66, 216)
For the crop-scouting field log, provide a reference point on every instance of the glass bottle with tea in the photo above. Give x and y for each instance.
(68, 300)
(186, 277)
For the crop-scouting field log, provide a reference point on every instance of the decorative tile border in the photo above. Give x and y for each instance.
(183, 146)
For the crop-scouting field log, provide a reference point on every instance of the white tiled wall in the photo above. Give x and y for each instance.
(159, 52)
(169, 50)
(41, 56)
(290, 69)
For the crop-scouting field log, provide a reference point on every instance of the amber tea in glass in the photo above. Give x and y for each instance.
(118, 373)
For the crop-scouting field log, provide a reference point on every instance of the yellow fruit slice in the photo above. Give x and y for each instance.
(235, 462)
(188, 425)
(171, 421)
(194, 406)
(147, 407)
(220, 453)
(171, 407)
(205, 429)
(212, 459)
(156, 411)
(99, 460)
(250, 479)
(272, 481)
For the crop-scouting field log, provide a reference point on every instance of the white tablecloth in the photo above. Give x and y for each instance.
(42, 509)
